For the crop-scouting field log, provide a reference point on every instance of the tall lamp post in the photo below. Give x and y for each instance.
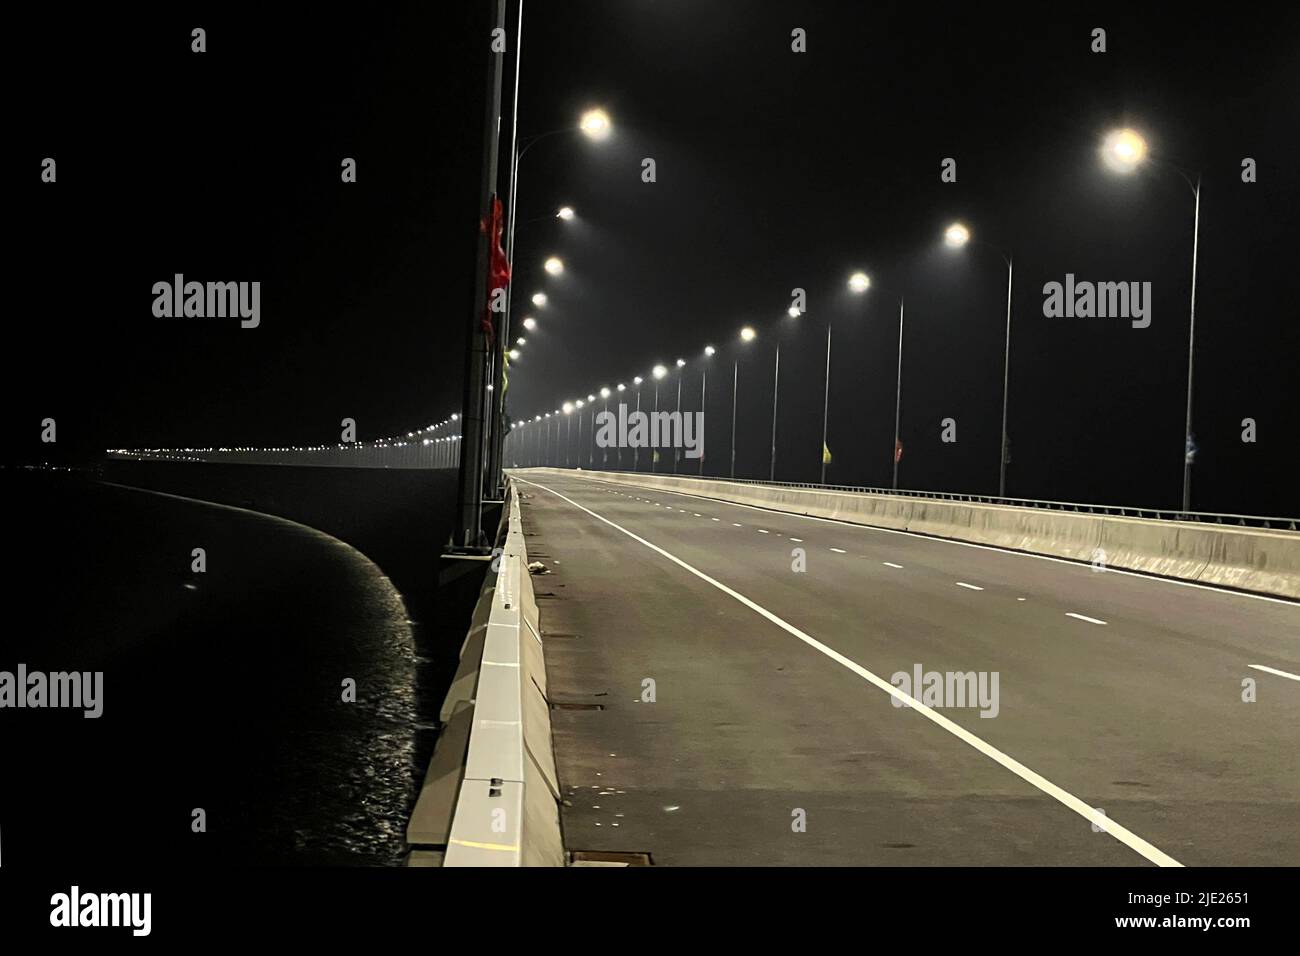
(859, 283)
(658, 373)
(595, 125)
(704, 392)
(958, 236)
(636, 451)
(681, 363)
(1124, 151)
(747, 335)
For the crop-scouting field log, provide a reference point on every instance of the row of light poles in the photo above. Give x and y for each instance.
(1122, 151)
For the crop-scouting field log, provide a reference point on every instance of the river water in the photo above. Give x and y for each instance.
(223, 690)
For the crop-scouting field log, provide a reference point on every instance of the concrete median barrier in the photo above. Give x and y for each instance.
(1262, 560)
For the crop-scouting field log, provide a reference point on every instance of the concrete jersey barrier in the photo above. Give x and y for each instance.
(491, 795)
(1249, 559)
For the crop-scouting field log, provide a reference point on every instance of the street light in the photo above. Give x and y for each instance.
(708, 351)
(793, 312)
(746, 335)
(859, 283)
(636, 451)
(519, 341)
(1123, 151)
(681, 363)
(595, 124)
(539, 299)
(704, 394)
(957, 236)
(553, 266)
(514, 355)
(565, 213)
(530, 323)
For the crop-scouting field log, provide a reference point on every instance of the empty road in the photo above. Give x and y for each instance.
(743, 659)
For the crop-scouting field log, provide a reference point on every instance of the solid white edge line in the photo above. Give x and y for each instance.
(983, 547)
(891, 564)
(972, 587)
(1083, 617)
(839, 550)
(1274, 670)
(1107, 824)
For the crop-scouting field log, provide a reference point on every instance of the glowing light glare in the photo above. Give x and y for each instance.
(747, 334)
(1123, 150)
(859, 282)
(579, 403)
(595, 124)
(514, 354)
(681, 362)
(455, 416)
(530, 323)
(659, 371)
(519, 341)
(554, 266)
(604, 393)
(956, 236)
(638, 380)
(793, 312)
(565, 213)
(621, 386)
(709, 350)
(568, 408)
(539, 299)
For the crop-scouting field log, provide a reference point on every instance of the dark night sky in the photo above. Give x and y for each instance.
(775, 170)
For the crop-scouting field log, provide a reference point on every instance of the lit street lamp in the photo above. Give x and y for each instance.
(958, 236)
(746, 335)
(1124, 151)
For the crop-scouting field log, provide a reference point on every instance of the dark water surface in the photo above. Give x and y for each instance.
(222, 690)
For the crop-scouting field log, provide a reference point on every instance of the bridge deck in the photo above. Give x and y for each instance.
(764, 703)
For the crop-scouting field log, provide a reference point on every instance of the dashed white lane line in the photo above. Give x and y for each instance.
(737, 524)
(1104, 823)
(697, 514)
(762, 531)
(800, 540)
(891, 564)
(1274, 670)
(715, 519)
(1083, 617)
(839, 550)
(963, 584)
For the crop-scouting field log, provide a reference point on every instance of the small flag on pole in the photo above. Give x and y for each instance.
(826, 454)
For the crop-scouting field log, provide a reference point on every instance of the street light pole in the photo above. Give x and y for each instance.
(1191, 346)
(735, 385)
(898, 391)
(704, 391)
(776, 391)
(636, 449)
(1006, 375)
(654, 449)
(676, 450)
(826, 399)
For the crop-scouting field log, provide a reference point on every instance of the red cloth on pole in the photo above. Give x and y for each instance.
(498, 264)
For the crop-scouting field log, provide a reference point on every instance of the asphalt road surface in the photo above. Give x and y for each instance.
(773, 735)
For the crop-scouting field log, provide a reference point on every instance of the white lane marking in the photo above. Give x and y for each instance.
(761, 531)
(715, 519)
(982, 547)
(737, 524)
(1110, 825)
(891, 564)
(800, 540)
(1274, 670)
(697, 514)
(963, 584)
(1083, 617)
(839, 550)
(1020, 599)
